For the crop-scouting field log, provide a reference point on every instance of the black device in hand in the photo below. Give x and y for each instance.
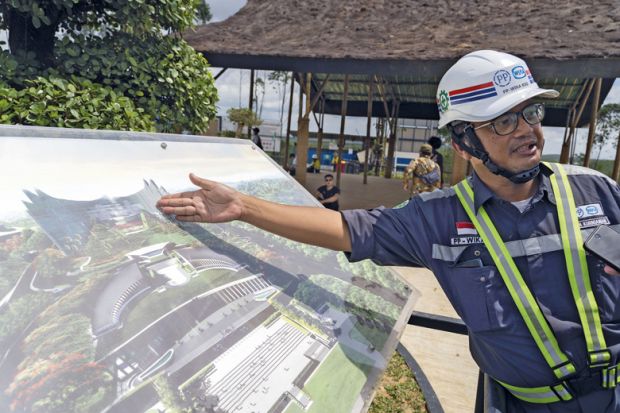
(604, 242)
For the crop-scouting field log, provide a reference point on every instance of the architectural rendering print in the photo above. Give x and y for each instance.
(106, 305)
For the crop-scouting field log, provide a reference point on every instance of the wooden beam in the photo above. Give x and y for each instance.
(368, 126)
(316, 97)
(343, 116)
(319, 138)
(564, 155)
(606, 67)
(593, 117)
(392, 141)
(220, 73)
(303, 131)
(383, 98)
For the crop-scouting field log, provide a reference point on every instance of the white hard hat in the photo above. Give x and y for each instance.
(482, 85)
(314, 156)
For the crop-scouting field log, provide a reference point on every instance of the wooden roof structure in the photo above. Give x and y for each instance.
(407, 45)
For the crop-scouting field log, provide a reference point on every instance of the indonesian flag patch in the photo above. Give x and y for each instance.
(465, 228)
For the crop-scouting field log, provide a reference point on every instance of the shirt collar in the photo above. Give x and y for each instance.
(484, 194)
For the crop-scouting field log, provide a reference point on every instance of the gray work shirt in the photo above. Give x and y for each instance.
(434, 231)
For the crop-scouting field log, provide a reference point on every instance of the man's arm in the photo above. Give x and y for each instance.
(332, 198)
(215, 202)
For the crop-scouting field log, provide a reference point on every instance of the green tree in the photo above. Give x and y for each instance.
(203, 12)
(60, 384)
(52, 264)
(607, 127)
(280, 78)
(242, 117)
(169, 396)
(124, 57)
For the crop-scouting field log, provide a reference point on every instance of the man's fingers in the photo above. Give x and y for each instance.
(189, 194)
(201, 182)
(179, 211)
(177, 202)
(189, 218)
(609, 270)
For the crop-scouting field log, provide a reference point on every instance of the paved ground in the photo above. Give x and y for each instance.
(354, 194)
(444, 357)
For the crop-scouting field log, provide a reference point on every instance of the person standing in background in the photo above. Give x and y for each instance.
(435, 142)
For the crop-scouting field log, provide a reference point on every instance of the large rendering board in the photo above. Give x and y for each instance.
(106, 305)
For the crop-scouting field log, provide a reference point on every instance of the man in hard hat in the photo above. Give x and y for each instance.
(422, 174)
(506, 244)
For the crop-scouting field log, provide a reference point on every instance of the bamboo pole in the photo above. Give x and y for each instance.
(251, 102)
(566, 145)
(303, 131)
(288, 122)
(343, 116)
(368, 125)
(593, 118)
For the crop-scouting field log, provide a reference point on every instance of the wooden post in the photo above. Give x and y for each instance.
(251, 102)
(343, 116)
(593, 116)
(615, 175)
(379, 142)
(303, 132)
(368, 122)
(319, 136)
(459, 169)
(288, 122)
(566, 145)
(389, 165)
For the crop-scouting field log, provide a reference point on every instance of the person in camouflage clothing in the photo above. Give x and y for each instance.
(422, 174)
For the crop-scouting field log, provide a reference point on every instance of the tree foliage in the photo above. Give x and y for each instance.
(124, 56)
(61, 383)
(242, 117)
(608, 125)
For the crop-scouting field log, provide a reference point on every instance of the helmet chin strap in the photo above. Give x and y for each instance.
(478, 151)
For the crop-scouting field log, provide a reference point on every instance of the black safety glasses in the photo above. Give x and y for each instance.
(509, 122)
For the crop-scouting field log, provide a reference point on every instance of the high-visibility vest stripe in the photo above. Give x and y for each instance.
(577, 267)
(519, 291)
(544, 394)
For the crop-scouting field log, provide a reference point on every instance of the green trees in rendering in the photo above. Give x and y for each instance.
(104, 64)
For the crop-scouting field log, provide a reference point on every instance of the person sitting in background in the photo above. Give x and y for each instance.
(315, 165)
(329, 193)
(292, 164)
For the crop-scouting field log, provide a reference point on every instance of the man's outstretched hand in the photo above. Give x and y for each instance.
(213, 202)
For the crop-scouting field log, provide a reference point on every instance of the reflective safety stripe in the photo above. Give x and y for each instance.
(577, 267)
(544, 394)
(517, 248)
(610, 377)
(519, 291)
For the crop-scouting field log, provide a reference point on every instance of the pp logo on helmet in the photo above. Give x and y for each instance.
(502, 78)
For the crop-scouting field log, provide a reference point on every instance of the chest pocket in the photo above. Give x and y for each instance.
(481, 299)
(606, 289)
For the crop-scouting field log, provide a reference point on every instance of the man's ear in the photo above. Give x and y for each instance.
(457, 148)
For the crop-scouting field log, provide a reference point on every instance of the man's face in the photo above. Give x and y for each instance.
(516, 152)
(329, 181)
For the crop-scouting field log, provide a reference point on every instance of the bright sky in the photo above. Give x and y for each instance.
(90, 169)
